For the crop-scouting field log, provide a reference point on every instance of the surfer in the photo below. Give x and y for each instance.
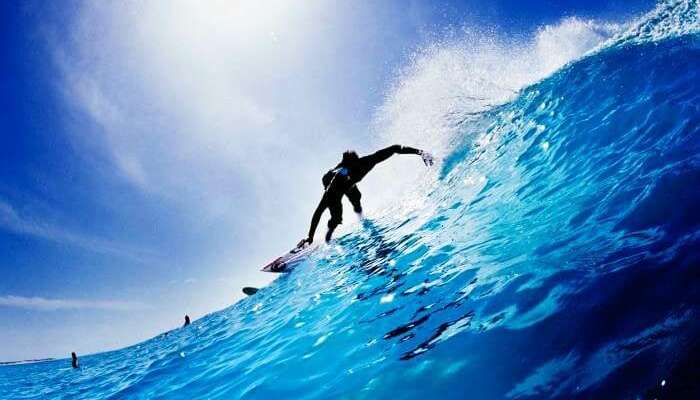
(187, 320)
(342, 181)
(74, 360)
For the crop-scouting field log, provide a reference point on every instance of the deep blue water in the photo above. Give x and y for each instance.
(557, 256)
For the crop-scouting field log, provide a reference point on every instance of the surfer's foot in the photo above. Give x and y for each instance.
(304, 242)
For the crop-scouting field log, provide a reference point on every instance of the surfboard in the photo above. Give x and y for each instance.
(250, 290)
(289, 260)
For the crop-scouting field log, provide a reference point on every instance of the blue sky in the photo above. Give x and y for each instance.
(153, 156)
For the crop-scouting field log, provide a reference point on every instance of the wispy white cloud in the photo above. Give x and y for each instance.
(44, 304)
(213, 108)
(13, 221)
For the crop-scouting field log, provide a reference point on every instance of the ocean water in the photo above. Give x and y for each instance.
(556, 255)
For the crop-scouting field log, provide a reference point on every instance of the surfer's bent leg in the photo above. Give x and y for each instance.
(336, 209)
(354, 196)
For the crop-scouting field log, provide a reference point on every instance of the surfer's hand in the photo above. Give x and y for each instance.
(428, 159)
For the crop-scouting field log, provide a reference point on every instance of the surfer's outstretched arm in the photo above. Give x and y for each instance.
(384, 154)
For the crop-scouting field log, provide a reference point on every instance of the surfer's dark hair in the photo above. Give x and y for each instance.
(350, 156)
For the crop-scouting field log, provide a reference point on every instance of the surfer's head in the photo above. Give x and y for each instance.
(350, 157)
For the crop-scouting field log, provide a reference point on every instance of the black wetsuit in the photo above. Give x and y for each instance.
(342, 180)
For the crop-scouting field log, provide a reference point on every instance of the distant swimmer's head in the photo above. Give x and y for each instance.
(350, 157)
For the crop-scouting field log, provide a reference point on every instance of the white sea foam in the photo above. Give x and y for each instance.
(449, 81)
